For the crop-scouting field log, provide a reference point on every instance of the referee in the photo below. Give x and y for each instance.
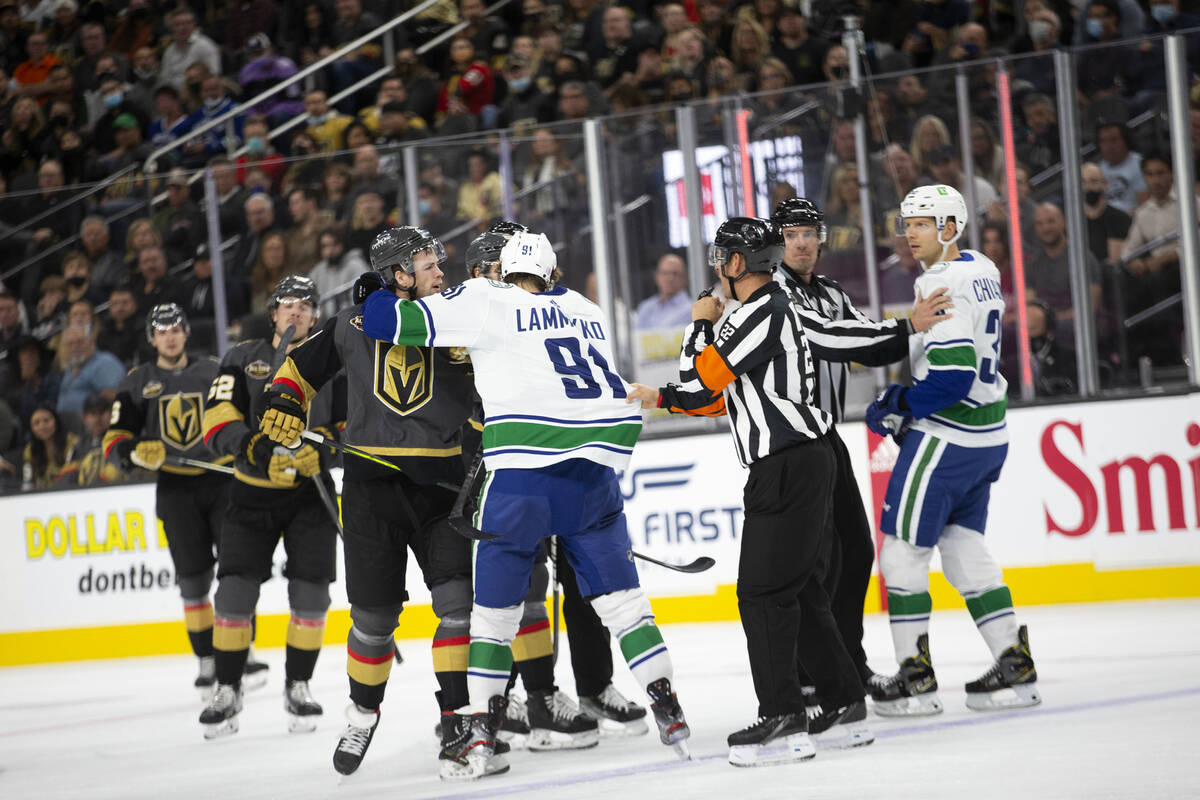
(802, 226)
(759, 369)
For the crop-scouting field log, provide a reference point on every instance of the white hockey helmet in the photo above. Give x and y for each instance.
(530, 254)
(940, 202)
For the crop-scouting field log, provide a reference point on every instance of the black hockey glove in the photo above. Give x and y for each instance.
(284, 417)
(367, 284)
(258, 458)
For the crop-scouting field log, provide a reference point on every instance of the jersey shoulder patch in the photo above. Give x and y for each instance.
(152, 388)
(258, 369)
(499, 284)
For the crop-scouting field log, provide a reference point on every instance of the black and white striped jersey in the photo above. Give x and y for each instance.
(826, 298)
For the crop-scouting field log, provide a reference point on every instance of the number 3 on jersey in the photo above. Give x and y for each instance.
(578, 378)
(987, 367)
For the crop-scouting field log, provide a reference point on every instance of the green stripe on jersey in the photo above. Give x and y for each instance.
(640, 640)
(961, 356)
(534, 434)
(906, 604)
(964, 414)
(489, 655)
(413, 329)
(989, 602)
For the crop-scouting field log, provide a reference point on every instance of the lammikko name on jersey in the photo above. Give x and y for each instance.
(552, 317)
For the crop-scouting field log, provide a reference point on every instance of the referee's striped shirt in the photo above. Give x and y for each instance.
(877, 343)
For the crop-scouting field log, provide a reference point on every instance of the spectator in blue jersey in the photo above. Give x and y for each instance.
(670, 307)
(86, 370)
(264, 69)
(218, 139)
(172, 121)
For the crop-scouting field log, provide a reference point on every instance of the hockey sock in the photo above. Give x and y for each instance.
(198, 618)
(231, 644)
(909, 618)
(992, 611)
(490, 657)
(533, 652)
(368, 665)
(646, 653)
(450, 668)
(304, 634)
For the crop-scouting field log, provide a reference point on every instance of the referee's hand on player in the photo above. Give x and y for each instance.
(647, 395)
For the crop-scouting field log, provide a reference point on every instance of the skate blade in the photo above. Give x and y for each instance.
(254, 680)
(479, 765)
(517, 741)
(543, 740)
(219, 730)
(845, 736)
(615, 729)
(682, 750)
(924, 705)
(302, 723)
(797, 747)
(1021, 696)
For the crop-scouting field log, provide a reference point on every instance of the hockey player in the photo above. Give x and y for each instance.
(157, 419)
(407, 406)
(953, 444)
(556, 424)
(273, 495)
(602, 711)
(802, 226)
(759, 368)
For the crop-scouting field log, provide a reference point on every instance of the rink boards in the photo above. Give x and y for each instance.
(1097, 502)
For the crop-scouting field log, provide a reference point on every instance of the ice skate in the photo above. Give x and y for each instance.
(555, 723)
(839, 728)
(220, 717)
(615, 715)
(672, 727)
(303, 712)
(514, 726)
(911, 692)
(779, 739)
(206, 679)
(254, 674)
(353, 744)
(1010, 683)
(468, 748)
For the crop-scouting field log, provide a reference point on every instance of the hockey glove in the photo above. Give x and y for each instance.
(889, 415)
(261, 459)
(367, 284)
(149, 454)
(308, 461)
(284, 417)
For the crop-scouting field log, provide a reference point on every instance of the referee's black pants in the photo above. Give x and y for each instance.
(781, 599)
(851, 555)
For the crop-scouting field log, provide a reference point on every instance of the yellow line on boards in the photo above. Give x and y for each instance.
(1058, 583)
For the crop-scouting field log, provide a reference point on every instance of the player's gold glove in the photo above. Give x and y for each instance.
(284, 418)
(149, 454)
(308, 460)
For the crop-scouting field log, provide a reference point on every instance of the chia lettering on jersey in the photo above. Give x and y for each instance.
(986, 289)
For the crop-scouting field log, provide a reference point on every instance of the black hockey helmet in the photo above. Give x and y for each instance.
(394, 249)
(759, 242)
(297, 286)
(485, 249)
(796, 211)
(163, 317)
(507, 228)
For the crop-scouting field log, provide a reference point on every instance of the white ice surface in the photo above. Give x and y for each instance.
(1120, 719)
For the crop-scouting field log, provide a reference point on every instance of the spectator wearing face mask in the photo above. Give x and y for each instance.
(259, 150)
(325, 125)
(114, 104)
(216, 140)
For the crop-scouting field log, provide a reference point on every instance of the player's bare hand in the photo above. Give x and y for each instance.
(927, 310)
(709, 308)
(646, 395)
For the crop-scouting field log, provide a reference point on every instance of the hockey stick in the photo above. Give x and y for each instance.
(554, 596)
(180, 461)
(317, 438)
(456, 520)
(328, 501)
(699, 565)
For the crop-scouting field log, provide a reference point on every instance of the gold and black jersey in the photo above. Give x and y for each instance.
(153, 402)
(234, 407)
(406, 404)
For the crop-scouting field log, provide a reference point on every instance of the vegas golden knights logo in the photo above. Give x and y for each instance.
(180, 417)
(403, 376)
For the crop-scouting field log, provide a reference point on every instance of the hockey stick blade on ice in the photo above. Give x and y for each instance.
(699, 565)
(456, 519)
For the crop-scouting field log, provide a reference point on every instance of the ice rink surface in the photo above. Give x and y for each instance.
(1120, 719)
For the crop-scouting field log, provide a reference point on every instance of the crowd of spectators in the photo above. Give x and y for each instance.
(90, 89)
